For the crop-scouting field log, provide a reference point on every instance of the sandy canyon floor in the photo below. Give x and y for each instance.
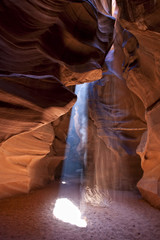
(30, 217)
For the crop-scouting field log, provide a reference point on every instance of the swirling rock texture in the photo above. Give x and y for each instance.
(38, 38)
(26, 161)
(48, 44)
(141, 47)
(123, 106)
(116, 125)
(43, 45)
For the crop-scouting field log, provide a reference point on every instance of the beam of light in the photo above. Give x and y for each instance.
(75, 156)
(74, 161)
(67, 212)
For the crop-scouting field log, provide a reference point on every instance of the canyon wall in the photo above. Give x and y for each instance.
(44, 45)
(47, 46)
(141, 49)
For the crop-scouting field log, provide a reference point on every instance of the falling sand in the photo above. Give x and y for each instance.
(30, 217)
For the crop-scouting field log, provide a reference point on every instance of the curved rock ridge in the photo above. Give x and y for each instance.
(26, 161)
(39, 38)
(47, 44)
(141, 49)
(116, 124)
(35, 35)
(43, 42)
(144, 13)
(28, 102)
(104, 7)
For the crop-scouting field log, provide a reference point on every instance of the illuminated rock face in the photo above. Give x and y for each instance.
(141, 48)
(115, 129)
(116, 125)
(26, 161)
(48, 44)
(43, 44)
(28, 102)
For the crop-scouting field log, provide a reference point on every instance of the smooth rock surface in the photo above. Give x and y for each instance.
(141, 49)
(25, 161)
(114, 132)
(44, 42)
(37, 37)
(28, 102)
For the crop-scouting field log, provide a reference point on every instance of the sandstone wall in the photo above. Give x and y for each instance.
(46, 45)
(141, 71)
(41, 44)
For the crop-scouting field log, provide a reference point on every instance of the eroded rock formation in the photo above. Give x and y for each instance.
(26, 161)
(116, 126)
(48, 44)
(41, 44)
(142, 50)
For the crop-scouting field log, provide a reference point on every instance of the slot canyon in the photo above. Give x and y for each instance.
(80, 119)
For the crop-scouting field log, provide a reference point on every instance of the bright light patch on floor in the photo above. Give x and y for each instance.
(67, 212)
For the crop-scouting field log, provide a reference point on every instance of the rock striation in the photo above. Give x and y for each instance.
(42, 38)
(141, 71)
(26, 161)
(43, 45)
(47, 46)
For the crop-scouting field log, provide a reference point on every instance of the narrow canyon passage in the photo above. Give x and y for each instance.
(30, 217)
(80, 120)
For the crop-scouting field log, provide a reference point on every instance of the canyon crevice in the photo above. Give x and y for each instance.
(47, 48)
